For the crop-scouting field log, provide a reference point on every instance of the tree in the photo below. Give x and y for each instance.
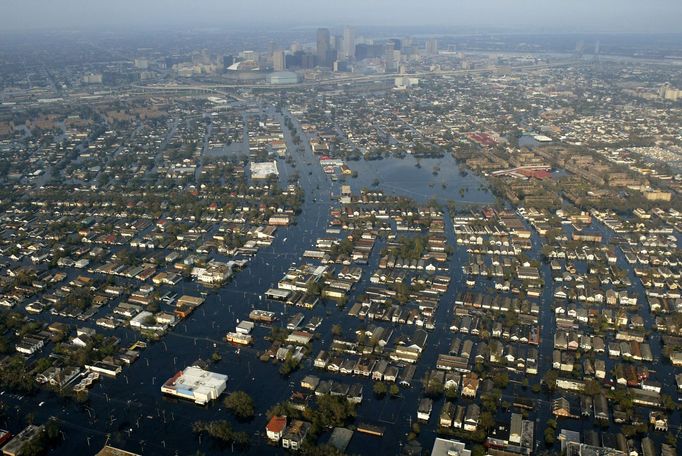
(331, 411)
(216, 356)
(289, 365)
(380, 389)
(221, 430)
(451, 392)
(240, 404)
(314, 289)
(550, 437)
(550, 378)
(668, 402)
(487, 420)
(501, 379)
(336, 330)
(434, 388)
(592, 387)
(394, 390)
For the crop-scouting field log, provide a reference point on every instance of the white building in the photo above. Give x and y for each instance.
(444, 447)
(263, 170)
(196, 384)
(213, 273)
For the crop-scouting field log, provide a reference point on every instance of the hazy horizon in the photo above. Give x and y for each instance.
(635, 16)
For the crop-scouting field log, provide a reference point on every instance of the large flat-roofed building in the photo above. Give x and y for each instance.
(283, 77)
(444, 447)
(196, 384)
(15, 447)
(264, 170)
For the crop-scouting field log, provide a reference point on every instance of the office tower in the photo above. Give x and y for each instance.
(323, 46)
(348, 43)
(432, 46)
(278, 61)
(389, 57)
(227, 60)
(337, 43)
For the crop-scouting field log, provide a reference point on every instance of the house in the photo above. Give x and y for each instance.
(58, 376)
(446, 414)
(379, 369)
(28, 345)
(659, 420)
(600, 368)
(354, 394)
(299, 337)
(295, 434)
(458, 420)
(472, 417)
(310, 382)
(321, 360)
(424, 409)
(561, 407)
(601, 408)
(470, 383)
(16, 446)
(515, 428)
(275, 428)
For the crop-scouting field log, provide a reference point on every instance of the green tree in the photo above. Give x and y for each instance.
(240, 404)
(501, 379)
(380, 389)
(550, 437)
(394, 390)
(331, 411)
(221, 430)
(550, 378)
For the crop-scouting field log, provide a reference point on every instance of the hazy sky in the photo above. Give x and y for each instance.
(562, 15)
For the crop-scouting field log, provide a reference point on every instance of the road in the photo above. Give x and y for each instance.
(216, 88)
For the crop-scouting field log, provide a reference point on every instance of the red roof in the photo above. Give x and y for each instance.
(536, 173)
(276, 424)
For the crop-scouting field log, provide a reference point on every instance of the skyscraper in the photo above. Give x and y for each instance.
(348, 43)
(278, 61)
(390, 63)
(323, 46)
(432, 46)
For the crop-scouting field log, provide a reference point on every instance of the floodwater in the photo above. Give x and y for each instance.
(421, 179)
(130, 412)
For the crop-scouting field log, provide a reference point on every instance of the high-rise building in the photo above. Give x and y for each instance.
(336, 43)
(278, 61)
(432, 46)
(227, 60)
(323, 46)
(348, 43)
(390, 63)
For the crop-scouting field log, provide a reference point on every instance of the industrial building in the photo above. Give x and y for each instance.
(196, 384)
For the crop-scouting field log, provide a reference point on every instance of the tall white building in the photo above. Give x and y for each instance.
(278, 61)
(432, 46)
(348, 43)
